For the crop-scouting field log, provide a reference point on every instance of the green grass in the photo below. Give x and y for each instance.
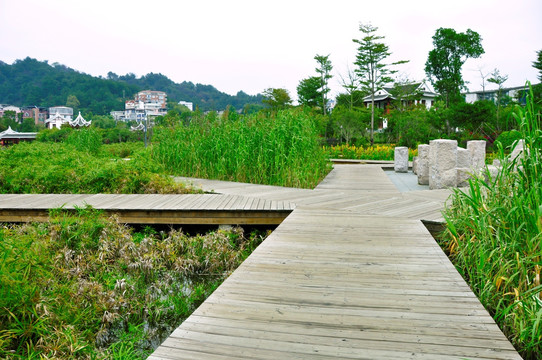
(83, 165)
(85, 286)
(494, 238)
(281, 149)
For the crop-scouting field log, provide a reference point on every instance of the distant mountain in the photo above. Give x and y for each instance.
(30, 82)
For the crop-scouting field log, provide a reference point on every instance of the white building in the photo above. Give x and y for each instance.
(146, 103)
(188, 104)
(64, 111)
(514, 93)
(56, 120)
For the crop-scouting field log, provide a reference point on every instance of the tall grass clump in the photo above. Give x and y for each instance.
(281, 149)
(83, 165)
(83, 286)
(494, 237)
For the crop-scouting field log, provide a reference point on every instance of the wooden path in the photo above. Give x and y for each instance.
(152, 209)
(351, 273)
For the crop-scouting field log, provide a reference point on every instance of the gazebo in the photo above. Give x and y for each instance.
(10, 137)
(79, 121)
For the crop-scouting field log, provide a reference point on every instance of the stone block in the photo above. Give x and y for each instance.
(442, 164)
(463, 175)
(401, 159)
(518, 151)
(463, 158)
(423, 164)
(477, 150)
(491, 173)
(415, 165)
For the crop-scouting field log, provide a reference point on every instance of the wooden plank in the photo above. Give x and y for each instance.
(347, 285)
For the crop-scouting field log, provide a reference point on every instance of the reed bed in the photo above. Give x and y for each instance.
(83, 165)
(494, 237)
(280, 149)
(83, 286)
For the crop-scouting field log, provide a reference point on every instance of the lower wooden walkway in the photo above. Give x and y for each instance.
(151, 209)
(350, 276)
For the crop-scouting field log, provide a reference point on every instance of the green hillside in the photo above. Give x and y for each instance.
(30, 82)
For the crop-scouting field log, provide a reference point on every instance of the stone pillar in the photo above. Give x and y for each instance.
(463, 158)
(415, 165)
(401, 159)
(477, 152)
(442, 164)
(463, 173)
(423, 164)
(518, 151)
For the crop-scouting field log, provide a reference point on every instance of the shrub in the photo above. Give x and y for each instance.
(508, 138)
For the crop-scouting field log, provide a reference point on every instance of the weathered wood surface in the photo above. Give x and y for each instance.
(364, 189)
(152, 209)
(335, 284)
(350, 276)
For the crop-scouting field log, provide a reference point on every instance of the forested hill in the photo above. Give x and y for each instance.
(30, 82)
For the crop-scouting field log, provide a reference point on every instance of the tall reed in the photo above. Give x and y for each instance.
(85, 286)
(280, 150)
(494, 237)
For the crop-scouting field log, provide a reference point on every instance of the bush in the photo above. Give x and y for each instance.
(508, 138)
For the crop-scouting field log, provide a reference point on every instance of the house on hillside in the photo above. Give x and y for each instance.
(38, 114)
(408, 94)
(146, 103)
(6, 108)
(188, 104)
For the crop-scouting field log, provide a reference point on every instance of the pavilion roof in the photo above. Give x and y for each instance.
(12, 134)
(79, 121)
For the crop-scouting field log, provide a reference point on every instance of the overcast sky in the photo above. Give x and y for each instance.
(253, 45)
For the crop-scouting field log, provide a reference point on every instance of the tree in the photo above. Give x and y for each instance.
(350, 123)
(538, 64)
(324, 70)
(277, 98)
(443, 65)
(353, 96)
(308, 91)
(372, 71)
(498, 79)
(73, 102)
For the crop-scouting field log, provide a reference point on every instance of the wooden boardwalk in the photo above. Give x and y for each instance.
(152, 209)
(351, 273)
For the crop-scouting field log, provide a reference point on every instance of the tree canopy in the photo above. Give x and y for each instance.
(324, 71)
(308, 91)
(373, 73)
(444, 63)
(277, 98)
(537, 64)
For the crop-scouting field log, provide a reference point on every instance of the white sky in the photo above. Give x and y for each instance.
(252, 45)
